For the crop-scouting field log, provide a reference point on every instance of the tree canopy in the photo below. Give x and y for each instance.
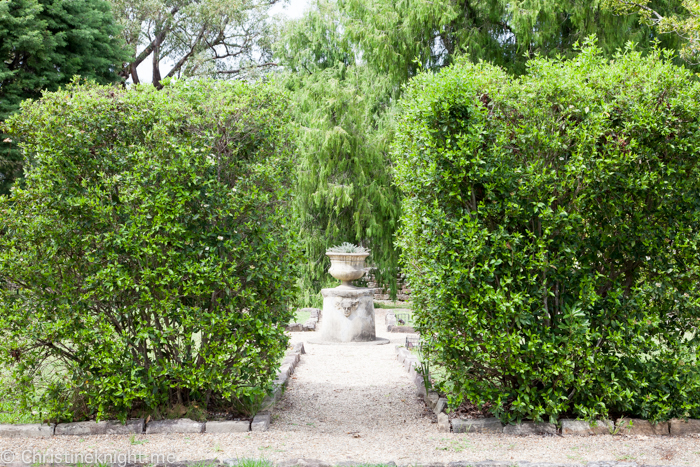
(684, 21)
(346, 62)
(194, 38)
(44, 43)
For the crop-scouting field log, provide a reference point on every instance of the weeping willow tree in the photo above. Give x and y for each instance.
(345, 64)
(398, 37)
(342, 108)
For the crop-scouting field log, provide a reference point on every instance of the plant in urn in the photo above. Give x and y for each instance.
(347, 262)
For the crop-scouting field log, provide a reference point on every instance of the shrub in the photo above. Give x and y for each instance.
(146, 263)
(550, 233)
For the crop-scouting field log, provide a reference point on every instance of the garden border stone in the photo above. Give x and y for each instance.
(678, 427)
(227, 426)
(584, 428)
(530, 428)
(636, 426)
(104, 427)
(178, 425)
(28, 430)
(477, 425)
(261, 421)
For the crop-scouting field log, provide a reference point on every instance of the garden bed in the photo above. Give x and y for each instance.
(260, 422)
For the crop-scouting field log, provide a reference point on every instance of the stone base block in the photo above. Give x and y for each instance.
(32, 430)
(348, 315)
(684, 427)
(444, 423)
(635, 426)
(432, 399)
(440, 406)
(108, 427)
(181, 425)
(261, 422)
(286, 369)
(584, 428)
(530, 428)
(228, 426)
(291, 360)
(477, 425)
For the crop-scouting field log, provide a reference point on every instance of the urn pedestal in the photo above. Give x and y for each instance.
(348, 315)
(348, 312)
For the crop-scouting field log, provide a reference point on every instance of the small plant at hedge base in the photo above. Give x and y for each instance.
(423, 350)
(347, 248)
(550, 234)
(140, 260)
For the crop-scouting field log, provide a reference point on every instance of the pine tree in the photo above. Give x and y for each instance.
(44, 44)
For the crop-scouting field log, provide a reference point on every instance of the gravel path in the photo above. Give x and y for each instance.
(357, 403)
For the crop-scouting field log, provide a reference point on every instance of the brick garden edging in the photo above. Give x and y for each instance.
(622, 426)
(260, 422)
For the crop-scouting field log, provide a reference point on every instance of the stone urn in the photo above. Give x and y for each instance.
(347, 267)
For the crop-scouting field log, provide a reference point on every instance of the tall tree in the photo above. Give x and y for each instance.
(398, 37)
(44, 44)
(344, 190)
(195, 37)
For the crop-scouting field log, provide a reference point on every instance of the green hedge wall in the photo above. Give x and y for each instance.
(146, 261)
(550, 234)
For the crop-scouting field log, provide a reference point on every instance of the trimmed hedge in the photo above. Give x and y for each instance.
(551, 234)
(146, 262)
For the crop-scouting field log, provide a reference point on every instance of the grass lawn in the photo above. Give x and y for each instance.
(391, 306)
(302, 316)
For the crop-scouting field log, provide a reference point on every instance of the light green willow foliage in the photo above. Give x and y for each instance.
(399, 37)
(344, 192)
(685, 21)
(342, 108)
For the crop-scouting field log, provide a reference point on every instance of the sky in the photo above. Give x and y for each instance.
(290, 8)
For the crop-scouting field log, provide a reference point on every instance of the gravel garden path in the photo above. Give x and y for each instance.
(356, 403)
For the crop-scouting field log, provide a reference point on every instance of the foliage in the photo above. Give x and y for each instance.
(343, 188)
(347, 61)
(195, 38)
(344, 191)
(347, 248)
(43, 44)
(685, 23)
(550, 233)
(401, 37)
(141, 262)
